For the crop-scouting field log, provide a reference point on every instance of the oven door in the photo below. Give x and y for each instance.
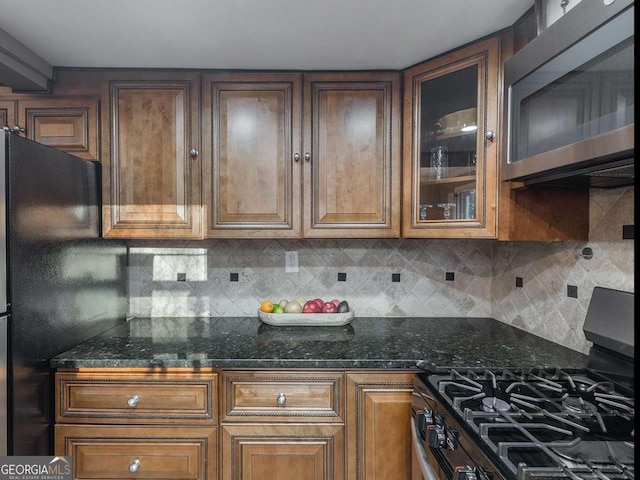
(420, 468)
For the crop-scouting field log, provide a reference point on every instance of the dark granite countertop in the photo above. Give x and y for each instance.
(236, 342)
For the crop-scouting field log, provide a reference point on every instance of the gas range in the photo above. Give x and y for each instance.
(535, 423)
(526, 424)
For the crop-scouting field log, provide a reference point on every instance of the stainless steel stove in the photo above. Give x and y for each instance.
(534, 423)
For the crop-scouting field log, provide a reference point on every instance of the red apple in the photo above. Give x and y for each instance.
(329, 308)
(311, 307)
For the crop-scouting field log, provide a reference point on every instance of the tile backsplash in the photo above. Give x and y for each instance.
(232, 277)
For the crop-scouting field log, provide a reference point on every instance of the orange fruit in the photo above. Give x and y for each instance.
(266, 306)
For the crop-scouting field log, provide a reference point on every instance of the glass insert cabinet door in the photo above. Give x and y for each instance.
(451, 153)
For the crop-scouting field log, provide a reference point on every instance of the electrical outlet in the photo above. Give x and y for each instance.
(291, 262)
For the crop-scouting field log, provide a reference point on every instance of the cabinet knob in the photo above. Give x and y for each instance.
(133, 400)
(307, 157)
(296, 157)
(282, 400)
(135, 465)
(17, 129)
(194, 152)
(490, 135)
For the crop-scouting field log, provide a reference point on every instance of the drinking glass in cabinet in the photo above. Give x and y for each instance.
(439, 165)
(424, 210)
(447, 209)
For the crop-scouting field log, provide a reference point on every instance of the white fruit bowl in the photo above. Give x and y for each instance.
(306, 319)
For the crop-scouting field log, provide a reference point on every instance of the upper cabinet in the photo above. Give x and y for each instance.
(279, 163)
(151, 164)
(252, 182)
(67, 124)
(7, 113)
(450, 144)
(351, 155)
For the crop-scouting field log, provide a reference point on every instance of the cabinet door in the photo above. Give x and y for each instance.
(450, 152)
(7, 113)
(162, 453)
(67, 124)
(352, 155)
(151, 174)
(251, 131)
(287, 452)
(379, 426)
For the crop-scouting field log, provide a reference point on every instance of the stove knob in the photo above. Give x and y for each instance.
(436, 436)
(465, 473)
(423, 419)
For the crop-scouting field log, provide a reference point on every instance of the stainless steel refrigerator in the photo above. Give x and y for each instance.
(60, 283)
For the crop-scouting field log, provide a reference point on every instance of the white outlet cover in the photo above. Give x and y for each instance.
(291, 262)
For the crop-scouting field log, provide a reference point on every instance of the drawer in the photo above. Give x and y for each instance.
(142, 398)
(103, 452)
(283, 397)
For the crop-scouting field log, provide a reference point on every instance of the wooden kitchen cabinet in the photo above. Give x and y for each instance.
(263, 136)
(318, 424)
(286, 452)
(7, 113)
(351, 155)
(108, 452)
(156, 424)
(282, 424)
(69, 124)
(450, 151)
(251, 127)
(379, 425)
(151, 164)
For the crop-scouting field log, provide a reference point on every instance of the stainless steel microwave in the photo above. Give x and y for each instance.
(570, 100)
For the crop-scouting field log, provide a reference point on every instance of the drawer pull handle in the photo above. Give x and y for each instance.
(135, 465)
(133, 400)
(282, 400)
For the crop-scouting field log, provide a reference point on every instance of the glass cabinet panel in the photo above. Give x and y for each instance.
(448, 140)
(450, 151)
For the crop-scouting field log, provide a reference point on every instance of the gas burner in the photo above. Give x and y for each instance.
(578, 405)
(494, 404)
(580, 453)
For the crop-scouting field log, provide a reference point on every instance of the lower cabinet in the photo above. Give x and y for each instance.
(138, 423)
(316, 424)
(157, 452)
(379, 425)
(283, 452)
(282, 424)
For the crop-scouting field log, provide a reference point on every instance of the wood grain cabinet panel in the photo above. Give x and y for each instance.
(352, 175)
(460, 199)
(283, 397)
(7, 113)
(251, 125)
(378, 426)
(151, 178)
(171, 453)
(291, 452)
(334, 149)
(117, 398)
(67, 124)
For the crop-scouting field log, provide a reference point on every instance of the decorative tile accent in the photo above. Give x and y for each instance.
(484, 275)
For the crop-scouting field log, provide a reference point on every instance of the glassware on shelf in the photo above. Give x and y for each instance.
(446, 207)
(471, 163)
(439, 165)
(423, 210)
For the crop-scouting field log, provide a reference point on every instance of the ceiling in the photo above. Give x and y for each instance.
(251, 34)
